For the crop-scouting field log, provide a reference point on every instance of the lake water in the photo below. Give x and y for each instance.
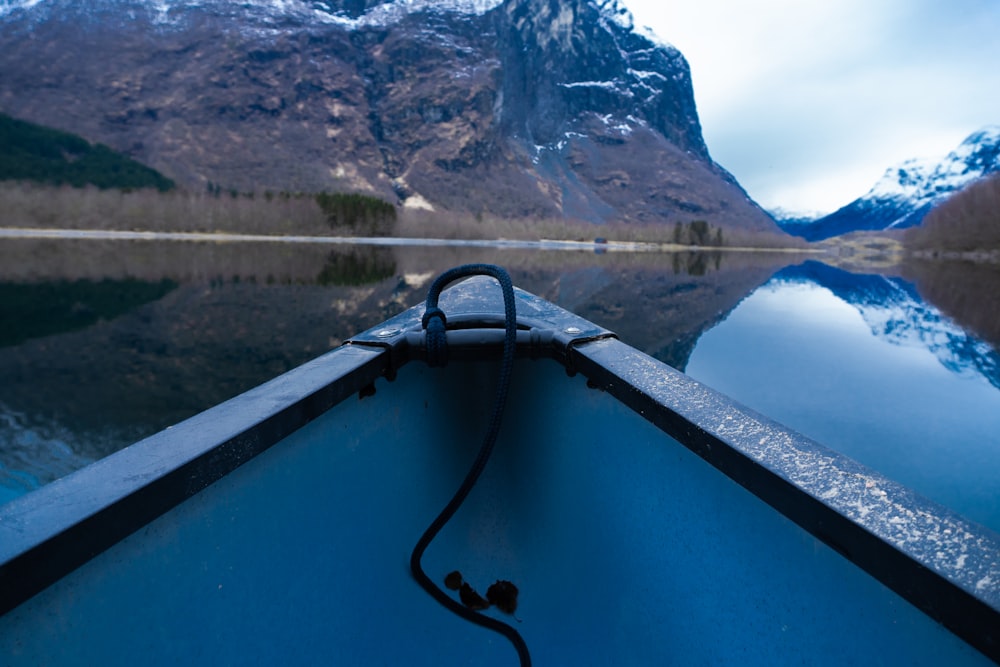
(105, 342)
(875, 373)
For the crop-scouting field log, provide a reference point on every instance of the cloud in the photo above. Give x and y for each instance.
(807, 104)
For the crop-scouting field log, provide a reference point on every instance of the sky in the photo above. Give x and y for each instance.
(808, 102)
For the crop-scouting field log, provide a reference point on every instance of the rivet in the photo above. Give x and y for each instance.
(386, 333)
(572, 331)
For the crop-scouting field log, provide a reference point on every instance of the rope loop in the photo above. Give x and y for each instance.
(434, 321)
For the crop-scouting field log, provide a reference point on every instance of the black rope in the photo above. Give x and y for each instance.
(434, 322)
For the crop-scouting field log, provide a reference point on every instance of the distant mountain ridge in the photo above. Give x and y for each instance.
(906, 192)
(514, 108)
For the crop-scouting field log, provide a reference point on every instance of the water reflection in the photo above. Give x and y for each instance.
(38, 309)
(175, 327)
(865, 366)
(32, 453)
(356, 266)
(696, 263)
(895, 311)
(105, 342)
(967, 292)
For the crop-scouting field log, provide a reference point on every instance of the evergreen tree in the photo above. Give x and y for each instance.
(360, 214)
(31, 152)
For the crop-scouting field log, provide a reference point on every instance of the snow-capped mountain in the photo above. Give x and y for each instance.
(357, 13)
(906, 192)
(793, 221)
(895, 311)
(259, 15)
(541, 108)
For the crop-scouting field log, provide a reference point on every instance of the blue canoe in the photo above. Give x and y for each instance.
(643, 518)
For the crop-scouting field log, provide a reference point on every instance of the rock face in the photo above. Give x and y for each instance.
(548, 108)
(906, 192)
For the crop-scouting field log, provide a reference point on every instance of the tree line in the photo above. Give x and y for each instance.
(697, 232)
(968, 221)
(360, 214)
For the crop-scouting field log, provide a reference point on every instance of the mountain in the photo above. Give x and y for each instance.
(516, 108)
(906, 193)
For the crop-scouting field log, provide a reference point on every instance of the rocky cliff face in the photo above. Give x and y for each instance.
(550, 108)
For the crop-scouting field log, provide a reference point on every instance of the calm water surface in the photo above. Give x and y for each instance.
(881, 376)
(105, 342)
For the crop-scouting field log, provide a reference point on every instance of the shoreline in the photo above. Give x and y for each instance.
(230, 237)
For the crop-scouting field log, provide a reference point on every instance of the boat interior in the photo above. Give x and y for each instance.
(642, 517)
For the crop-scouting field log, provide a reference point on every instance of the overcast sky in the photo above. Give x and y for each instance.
(807, 102)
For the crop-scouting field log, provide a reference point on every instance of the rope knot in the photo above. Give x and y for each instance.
(433, 311)
(434, 321)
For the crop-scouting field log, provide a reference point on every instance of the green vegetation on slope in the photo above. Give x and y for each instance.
(30, 152)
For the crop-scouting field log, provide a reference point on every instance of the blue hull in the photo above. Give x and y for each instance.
(644, 518)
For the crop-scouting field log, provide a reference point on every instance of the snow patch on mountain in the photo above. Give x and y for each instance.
(797, 216)
(612, 11)
(383, 14)
(8, 6)
(615, 12)
(393, 12)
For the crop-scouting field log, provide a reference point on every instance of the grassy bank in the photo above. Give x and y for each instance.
(38, 206)
(35, 206)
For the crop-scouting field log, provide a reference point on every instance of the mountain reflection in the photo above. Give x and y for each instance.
(106, 342)
(895, 311)
(865, 366)
(968, 292)
(173, 328)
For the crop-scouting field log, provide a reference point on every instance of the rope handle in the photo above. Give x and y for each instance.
(435, 322)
